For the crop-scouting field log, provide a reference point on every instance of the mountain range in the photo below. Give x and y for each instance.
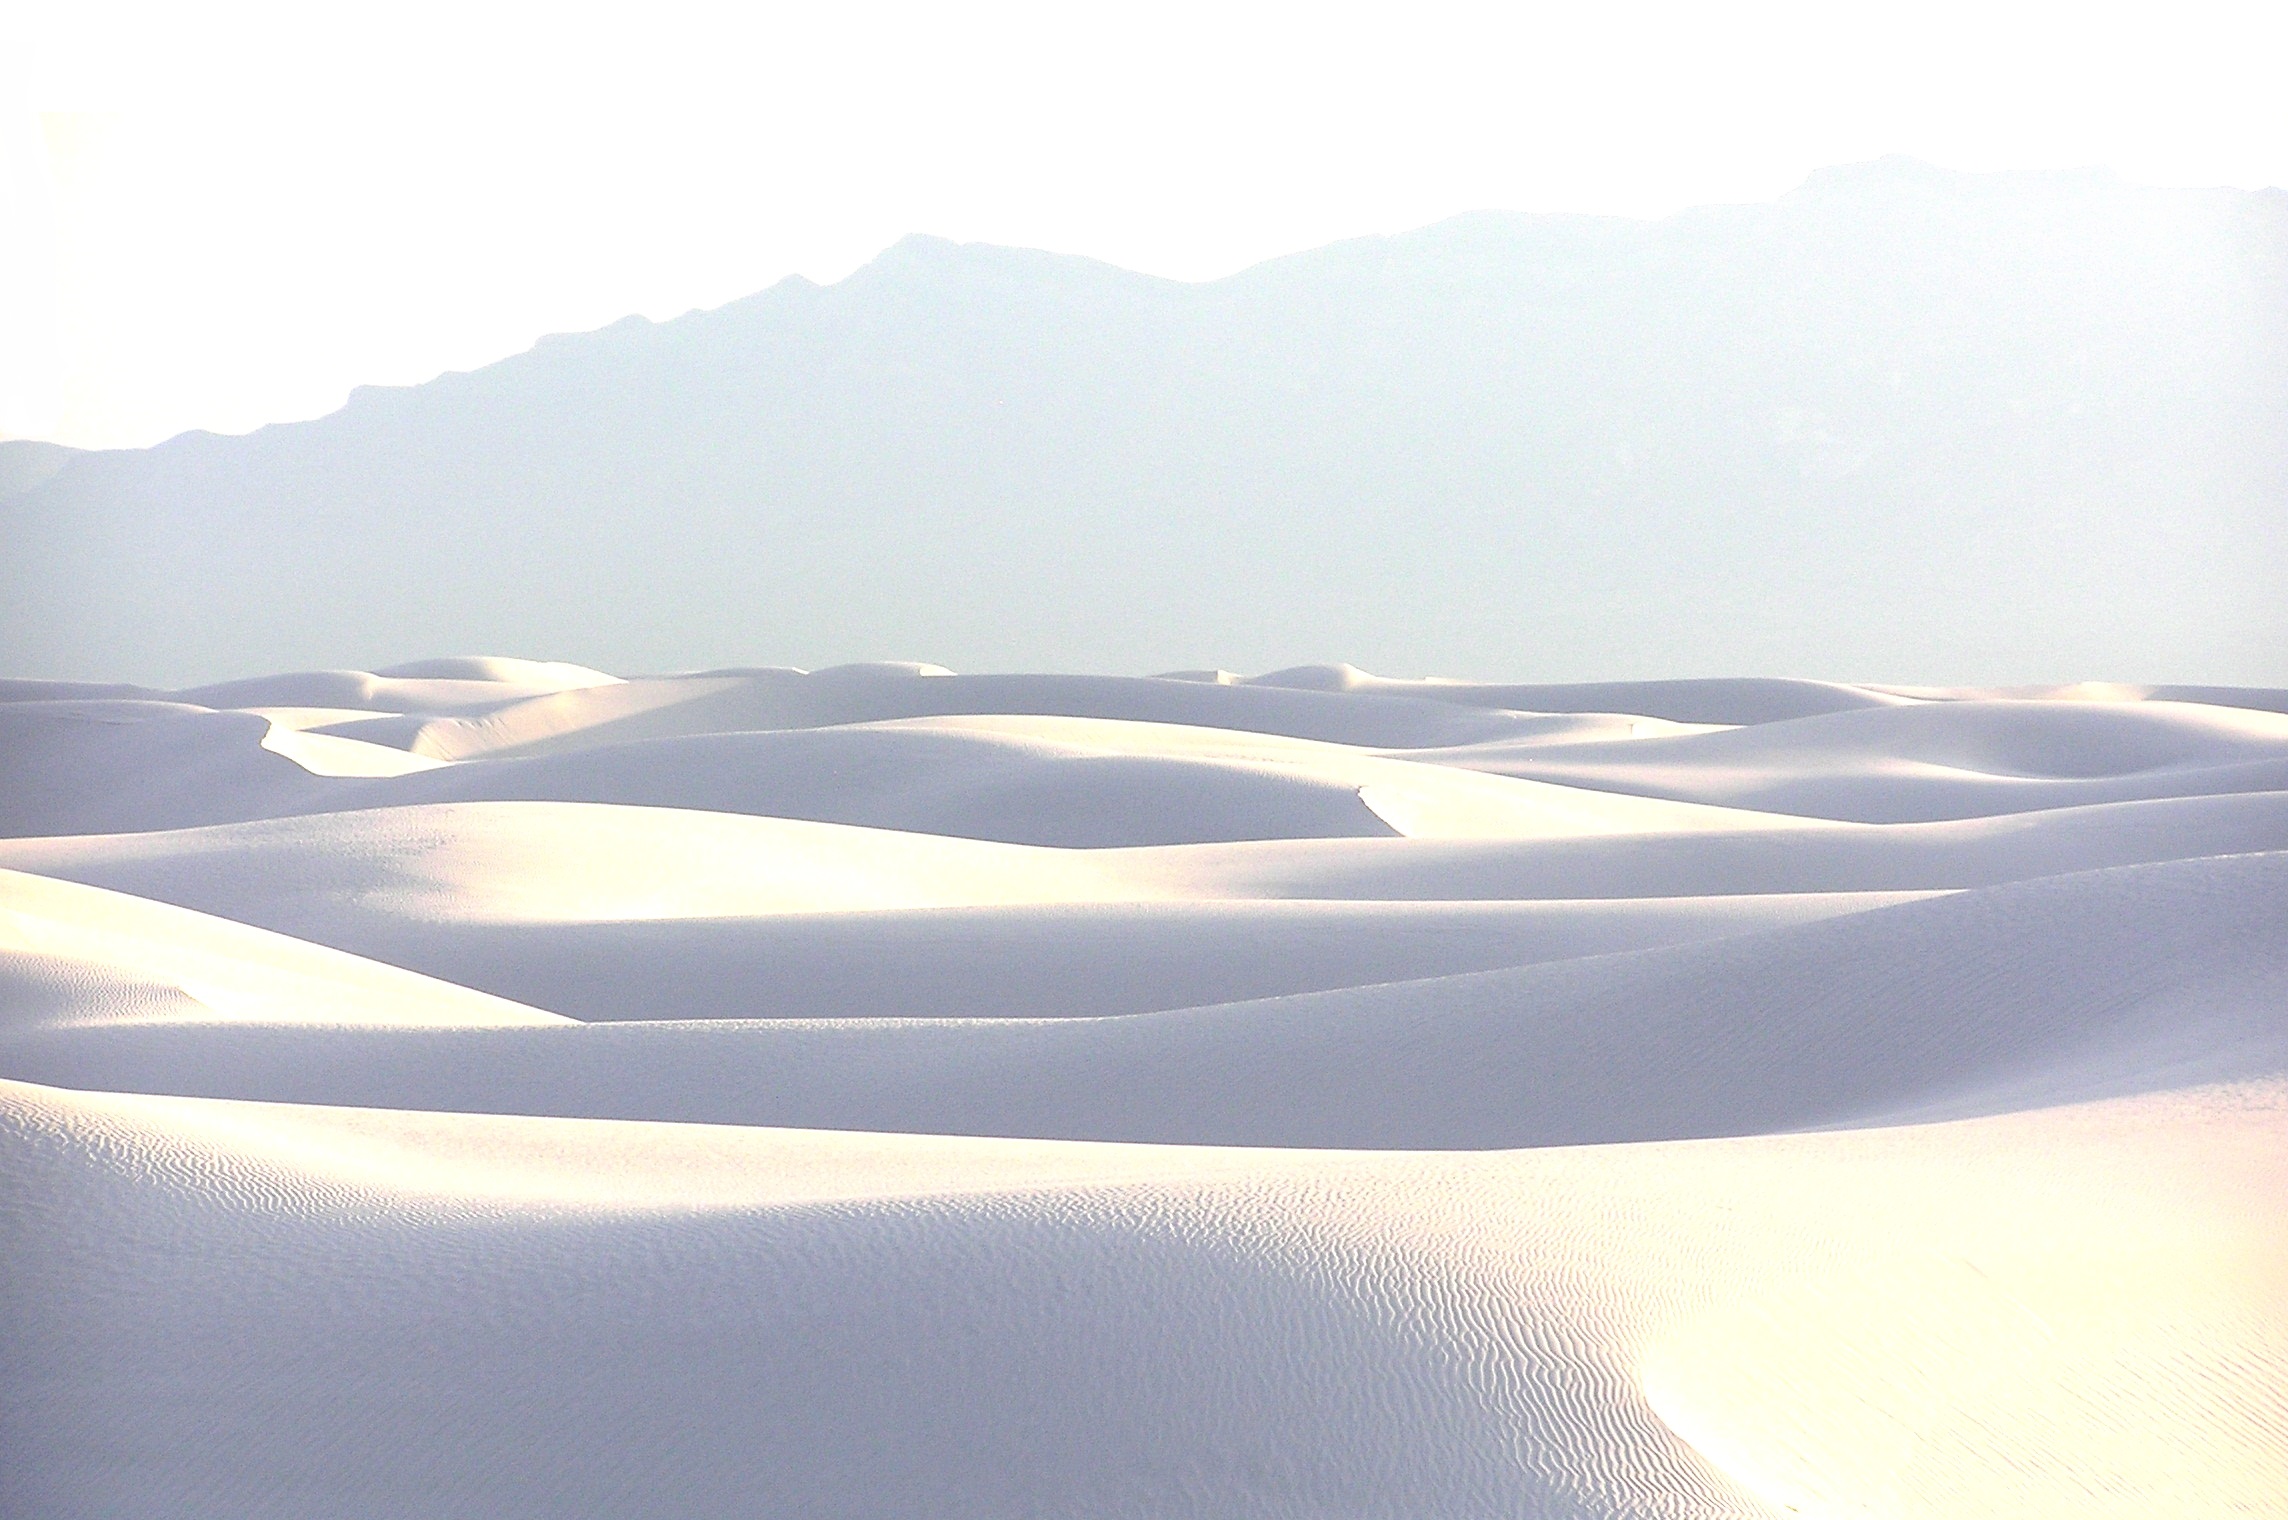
(1900, 424)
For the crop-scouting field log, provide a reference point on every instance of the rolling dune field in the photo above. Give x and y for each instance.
(496, 1088)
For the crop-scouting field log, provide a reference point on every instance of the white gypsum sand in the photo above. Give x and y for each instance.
(494, 1088)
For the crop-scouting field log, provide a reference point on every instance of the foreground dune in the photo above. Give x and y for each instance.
(490, 1087)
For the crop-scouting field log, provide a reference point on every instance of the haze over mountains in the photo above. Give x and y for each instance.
(1902, 424)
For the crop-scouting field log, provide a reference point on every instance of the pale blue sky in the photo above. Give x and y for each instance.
(228, 214)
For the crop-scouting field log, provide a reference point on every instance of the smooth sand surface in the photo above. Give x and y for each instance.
(490, 1087)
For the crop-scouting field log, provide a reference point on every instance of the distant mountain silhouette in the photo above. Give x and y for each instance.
(25, 464)
(1900, 424)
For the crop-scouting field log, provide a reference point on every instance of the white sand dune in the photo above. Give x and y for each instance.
(430, 686)
(731, 701)
(1063, 781)
(243, 1309)
(101, 766)
(1713, 701)
(73, 955)
(2060, 990)
(1858, 858)
(490, 1087)
(643, 913)
(1933, 760)
(89, 767)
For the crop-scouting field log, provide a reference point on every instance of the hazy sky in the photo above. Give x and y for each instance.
(220, 215)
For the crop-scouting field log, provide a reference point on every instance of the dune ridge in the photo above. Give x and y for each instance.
(495, 1086)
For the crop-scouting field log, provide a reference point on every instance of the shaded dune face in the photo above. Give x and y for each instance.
(495, 1087)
